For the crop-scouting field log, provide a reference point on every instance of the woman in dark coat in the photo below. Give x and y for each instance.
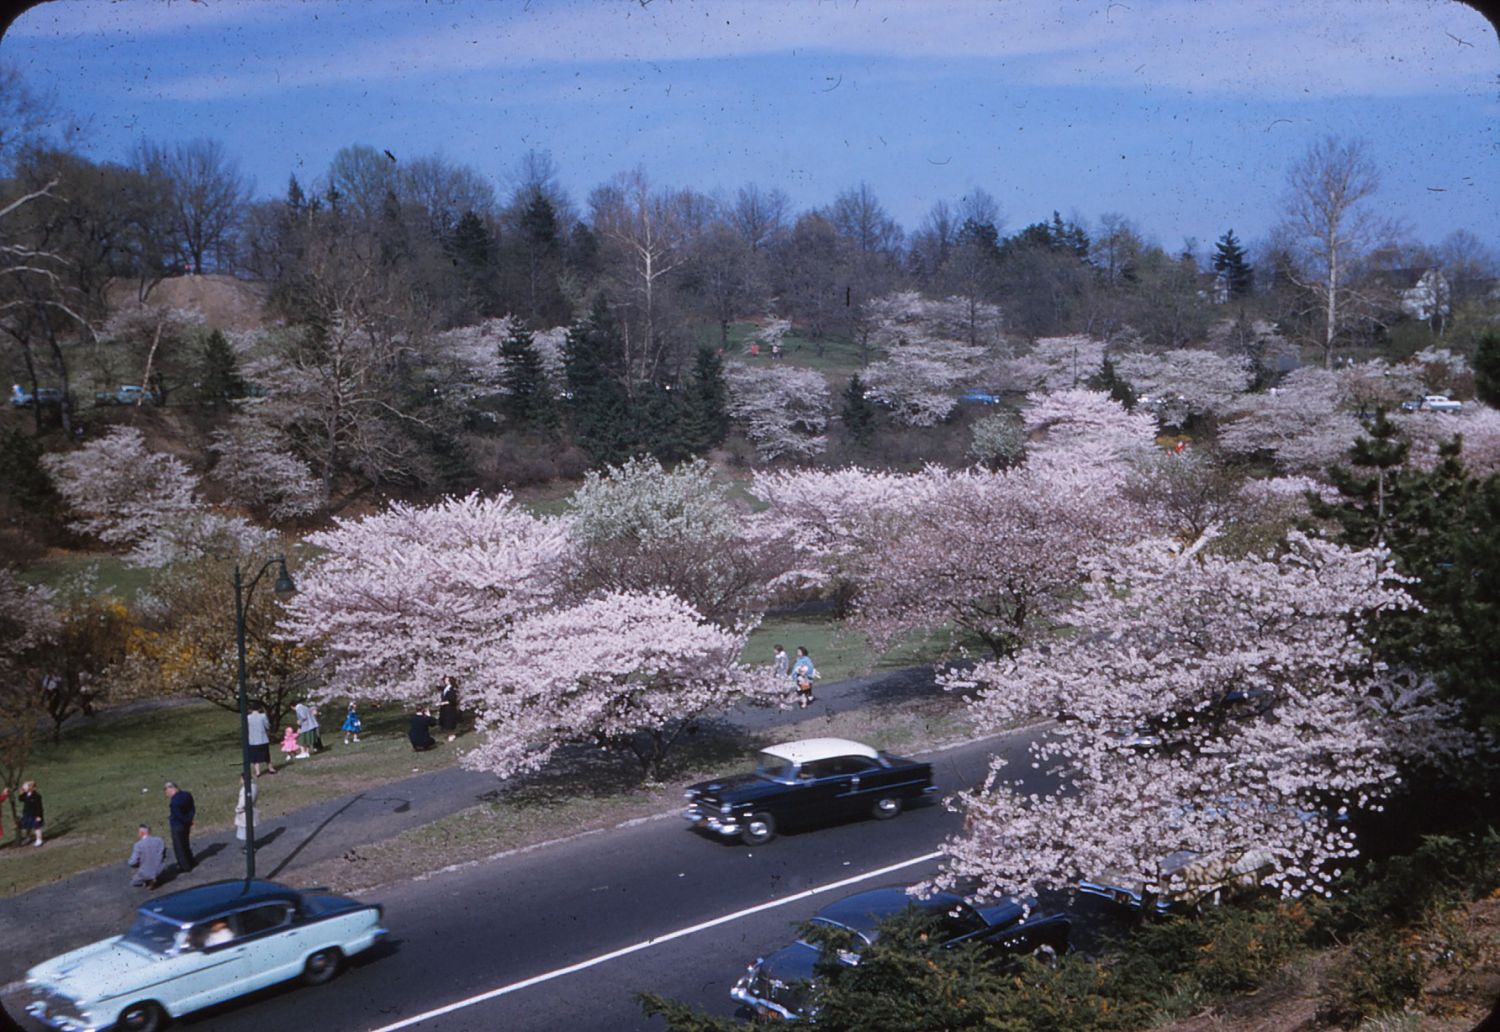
(31, 811)
(448, 710)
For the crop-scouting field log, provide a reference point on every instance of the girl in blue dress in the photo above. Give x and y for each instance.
(352, 727)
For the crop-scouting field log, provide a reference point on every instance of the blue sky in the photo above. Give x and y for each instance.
(1181, 116)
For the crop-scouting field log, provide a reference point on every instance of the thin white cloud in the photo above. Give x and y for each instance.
(1270, 48)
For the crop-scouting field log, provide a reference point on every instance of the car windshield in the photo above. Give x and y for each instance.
(152, 933)
(777, 768)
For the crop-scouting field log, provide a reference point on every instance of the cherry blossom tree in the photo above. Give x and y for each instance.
(1298, 423)
(256, 468)
(783, 410)
(1162, 636)
(990, 553)
(1439, 369)
(1477, 424)
(403, 598)
(1075, 426)
(641, 528)
(919, 378)
(623, 670)
(1185, 382)
(126, 495)
(1372, 385)
(1055, 363)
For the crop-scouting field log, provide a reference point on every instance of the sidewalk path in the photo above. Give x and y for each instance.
(53, 918)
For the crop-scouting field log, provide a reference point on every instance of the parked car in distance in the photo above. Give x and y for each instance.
(1205, 878)
(127, 394)
(45, 397)
(807, 782)
(197, 948)
(1432, 403)
(777, 986)
(977, 396)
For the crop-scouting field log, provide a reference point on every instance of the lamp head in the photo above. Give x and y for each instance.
(284, 585)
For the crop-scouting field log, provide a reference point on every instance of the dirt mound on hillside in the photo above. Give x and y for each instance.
(225, 303)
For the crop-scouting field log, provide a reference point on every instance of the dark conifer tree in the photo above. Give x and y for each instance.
(601, 411)
(706, 412)
(857, 413)
(28, 498)
(472, 252)
(1487, 370)
(1108, 380)
(528, 400)
(220, 379)
(1229, 261)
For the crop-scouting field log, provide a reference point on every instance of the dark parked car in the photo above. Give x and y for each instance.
(197, 948)
(778, 986)
(127, 394)
(807, 782)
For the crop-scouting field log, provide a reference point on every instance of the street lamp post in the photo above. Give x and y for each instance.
(283, 586)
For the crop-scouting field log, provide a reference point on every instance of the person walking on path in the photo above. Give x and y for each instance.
(803, 673)
(240, 808)
(782, 662)
(147, 856)
(259, 726)
(352, 725)
(180, 815)
(448, 709)
(31, 811)
(417, 730)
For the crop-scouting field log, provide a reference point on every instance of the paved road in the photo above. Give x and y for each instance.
(54, 918)
(493, 925)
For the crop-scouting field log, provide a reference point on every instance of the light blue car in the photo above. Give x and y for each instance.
(197, 948)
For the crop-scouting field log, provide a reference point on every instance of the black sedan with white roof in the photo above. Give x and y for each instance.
(807, 782)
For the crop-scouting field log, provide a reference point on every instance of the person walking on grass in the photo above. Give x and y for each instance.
(781, 662)
(180, 816)
(259, 727)
(289, 744)
(147, 856)
(31, 811)
(352, 725)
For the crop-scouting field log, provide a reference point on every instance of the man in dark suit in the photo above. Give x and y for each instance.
(417, 731)
(180, 814)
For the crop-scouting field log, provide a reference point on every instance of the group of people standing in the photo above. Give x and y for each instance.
(801, 672)
(419, 725)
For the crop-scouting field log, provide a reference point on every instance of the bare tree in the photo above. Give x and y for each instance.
(759, 215)
(1326, 219)
(206, 193)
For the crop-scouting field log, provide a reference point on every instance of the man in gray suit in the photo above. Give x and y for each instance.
(147, 857)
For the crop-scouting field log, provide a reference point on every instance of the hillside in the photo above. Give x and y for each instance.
(226, 303)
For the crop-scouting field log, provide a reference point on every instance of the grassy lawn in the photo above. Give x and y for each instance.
(105, 777)
(837, 653)
(112, 576)
(839, 355)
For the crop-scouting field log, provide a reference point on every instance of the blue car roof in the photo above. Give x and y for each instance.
(863, 911)
(202, 901)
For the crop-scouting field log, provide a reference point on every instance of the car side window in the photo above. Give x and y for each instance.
(854, 765)
(263, 919)
(816, 769)
(961, 920)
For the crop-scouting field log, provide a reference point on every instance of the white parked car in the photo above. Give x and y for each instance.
(1433, 403)
(197, 948)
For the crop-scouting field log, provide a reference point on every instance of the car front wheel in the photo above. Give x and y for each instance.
(322, 966)
(885, 808)
(759, 829)
(142, 1017)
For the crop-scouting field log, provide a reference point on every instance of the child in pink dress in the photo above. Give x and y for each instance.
(289, 745)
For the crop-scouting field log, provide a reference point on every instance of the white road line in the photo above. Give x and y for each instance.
(648, 943)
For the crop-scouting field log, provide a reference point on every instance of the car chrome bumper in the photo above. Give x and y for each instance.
(763, 1008)
(711, 821)
(65, 1022)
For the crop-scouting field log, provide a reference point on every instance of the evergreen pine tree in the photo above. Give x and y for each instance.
(220, 379)
(1106, 379)
(661, 424)
(528, 400)
(473, 255)
(707, 403)
(601, 411)
(1229, 261)
(1487, 369)
(857, 412)
(28, 498)
(1369, 485)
